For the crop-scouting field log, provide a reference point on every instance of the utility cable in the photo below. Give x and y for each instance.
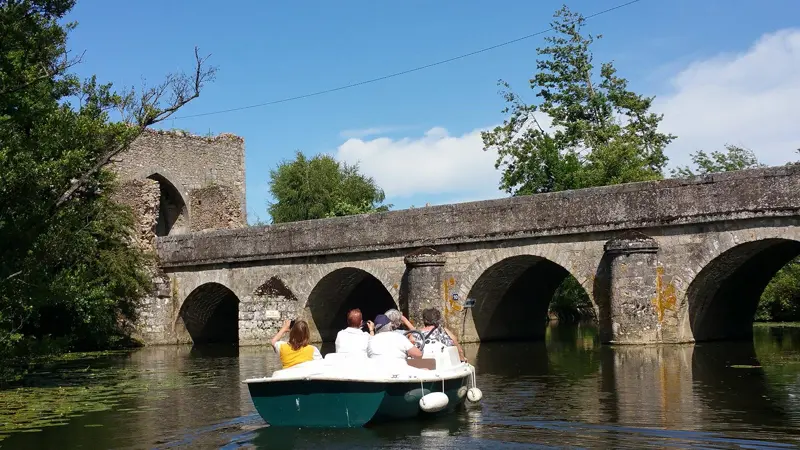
(397, 74)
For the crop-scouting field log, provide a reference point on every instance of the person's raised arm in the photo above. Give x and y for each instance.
(458, 346)
(407, 322)
(286, 324)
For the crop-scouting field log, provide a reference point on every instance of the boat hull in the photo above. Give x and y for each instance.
(401, 400)
(348, 403)
(323, 403)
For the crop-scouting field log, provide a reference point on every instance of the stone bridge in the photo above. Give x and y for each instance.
(663, 262)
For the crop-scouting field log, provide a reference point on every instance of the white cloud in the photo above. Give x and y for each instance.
(749, 99)
(435, 163)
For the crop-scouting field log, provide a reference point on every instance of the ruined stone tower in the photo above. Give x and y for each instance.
(178, 183)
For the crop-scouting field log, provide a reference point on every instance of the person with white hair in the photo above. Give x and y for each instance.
(388, 345)
(398, 321)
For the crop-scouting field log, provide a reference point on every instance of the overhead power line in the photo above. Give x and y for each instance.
(397, 74)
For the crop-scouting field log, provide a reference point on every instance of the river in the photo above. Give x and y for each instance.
(567, 391)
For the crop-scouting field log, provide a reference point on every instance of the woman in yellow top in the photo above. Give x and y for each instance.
(297, 350)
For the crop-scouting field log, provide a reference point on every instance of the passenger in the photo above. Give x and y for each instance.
(399, 321)
(389, 345)
(434, 331)
(297, 350)
(352, 339)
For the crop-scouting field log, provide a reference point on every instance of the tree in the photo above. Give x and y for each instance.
(733, 158)
(780, 300)
(69, 277)
(320, 187)
(602, 133)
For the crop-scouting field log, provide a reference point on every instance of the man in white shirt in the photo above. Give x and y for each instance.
(352, 339)
(389, 345)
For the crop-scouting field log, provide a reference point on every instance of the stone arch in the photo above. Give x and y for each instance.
(173, 207)
(512, 291)
(549, 252)
(723, 295)
(339, 291)
(209, 315)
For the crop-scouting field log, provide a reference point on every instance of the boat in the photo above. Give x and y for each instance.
(344, 390)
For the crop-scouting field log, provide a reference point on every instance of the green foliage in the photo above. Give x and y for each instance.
(68, 277)
(320, 187)
(342, 208)
(780, 301)
(733, 158)
(602, 133)
(570, 302)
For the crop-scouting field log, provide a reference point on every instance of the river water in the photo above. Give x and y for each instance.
(567, 391)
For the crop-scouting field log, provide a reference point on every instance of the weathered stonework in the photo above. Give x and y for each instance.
(714, 234)
(215, 207)
(142, 197)
(176, 183)
(261, 314)
(189, 163)
(424, 278)
(632, 315)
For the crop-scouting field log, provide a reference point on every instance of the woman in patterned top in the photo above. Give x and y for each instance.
(435, 332)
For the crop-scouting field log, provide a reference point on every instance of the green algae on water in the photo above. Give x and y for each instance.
(78, 384)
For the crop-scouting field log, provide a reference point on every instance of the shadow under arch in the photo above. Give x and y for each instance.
(512, 298)
(209, 315)
(724, 295)
(342, 290)
(173, 212)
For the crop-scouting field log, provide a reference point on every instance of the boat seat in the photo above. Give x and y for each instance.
(444, 356)
(424, 363)
(433, 349)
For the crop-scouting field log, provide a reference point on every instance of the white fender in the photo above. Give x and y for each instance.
(462, 391)
(474, 394)
(433, 402)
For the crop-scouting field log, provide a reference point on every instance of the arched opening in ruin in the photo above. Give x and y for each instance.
(724, 296)
(172, 210)
(339, 292)
(210, 315)
(514, 296)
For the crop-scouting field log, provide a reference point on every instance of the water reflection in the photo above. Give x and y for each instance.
(731, 382)
(565, 391)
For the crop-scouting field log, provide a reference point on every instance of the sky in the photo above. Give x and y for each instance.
(722, 71)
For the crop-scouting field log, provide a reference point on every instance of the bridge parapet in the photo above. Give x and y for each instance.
(755, 193)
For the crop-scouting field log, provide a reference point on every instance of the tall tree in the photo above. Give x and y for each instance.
(601, 132)
(320, 187)
(67, 271)
(733, 158)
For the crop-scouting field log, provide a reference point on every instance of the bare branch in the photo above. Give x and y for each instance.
(148, 110)
(13, 275)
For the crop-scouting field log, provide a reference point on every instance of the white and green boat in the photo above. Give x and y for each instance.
(352, 391)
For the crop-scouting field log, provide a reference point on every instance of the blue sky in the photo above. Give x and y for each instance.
(723, 71)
